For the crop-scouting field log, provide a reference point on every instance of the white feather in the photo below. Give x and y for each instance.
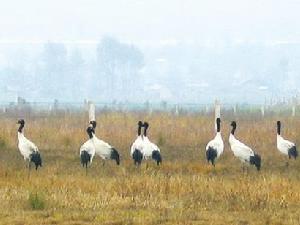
(240, 150)
(284, 145)
(25, 146)
(137, 144)
(92, 116)
(102, 148)
(217, 144)
(148, 148)
(89, 147)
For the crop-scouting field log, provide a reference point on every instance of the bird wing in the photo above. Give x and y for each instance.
(147, 150)
(287, 144)
(217, 145)
(102, 148)
(30, 145)
(149, 147)
(242, 151)
(89, 147)
(137, 144)
(213, 144)
(155, 147)
(26, 147)
(284, 145)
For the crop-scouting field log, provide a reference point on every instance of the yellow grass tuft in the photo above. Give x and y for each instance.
(183, 190)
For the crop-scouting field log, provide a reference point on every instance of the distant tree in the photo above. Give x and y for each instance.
(77, 75)
(119, 64)
(53, 69)
(76, 59)
(55, 56)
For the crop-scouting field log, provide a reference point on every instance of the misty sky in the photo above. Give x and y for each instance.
(195, 46)
(151, 21)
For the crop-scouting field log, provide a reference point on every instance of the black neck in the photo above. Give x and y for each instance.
(139, 130)
(94, 124)
(278, 128)
(233, 130)
(218, 126)
(90, 133)
(21, 128)
(145, 131)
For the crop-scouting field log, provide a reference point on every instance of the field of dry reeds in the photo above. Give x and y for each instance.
(183, 190)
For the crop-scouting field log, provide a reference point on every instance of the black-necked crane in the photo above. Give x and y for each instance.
(215, 147)
(242, 151)
(87, 150)
(137, 146)
(286, 147)
(150, 150)
(28, 149)
(103, 149)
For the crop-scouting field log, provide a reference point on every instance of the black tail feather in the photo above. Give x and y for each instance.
(36, 159)
(85, 158)
(157, 157)
(137, 157)
(115, 155)
(256, 160)
(211, 155)
(293, 152)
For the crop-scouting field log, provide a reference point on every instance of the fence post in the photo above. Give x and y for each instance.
(55, 106)
(262, 109)
(176, 110)
(92, 116)
(206, 109)
(293, 110)
(234, 110)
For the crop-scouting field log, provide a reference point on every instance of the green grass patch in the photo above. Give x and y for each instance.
(36, 201)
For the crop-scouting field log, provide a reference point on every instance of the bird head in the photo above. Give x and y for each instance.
(146, 125)
(93, 123)
(90, 131)
(21, 122)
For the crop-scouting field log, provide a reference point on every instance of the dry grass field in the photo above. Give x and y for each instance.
(183, 190)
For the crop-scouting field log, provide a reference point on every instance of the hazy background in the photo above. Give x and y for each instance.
(176, 51)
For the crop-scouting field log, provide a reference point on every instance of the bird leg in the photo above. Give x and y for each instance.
(243, 168)
(29, 167)
(286, 164)
(138, 165)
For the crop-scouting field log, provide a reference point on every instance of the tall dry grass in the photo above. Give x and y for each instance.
(184, 190)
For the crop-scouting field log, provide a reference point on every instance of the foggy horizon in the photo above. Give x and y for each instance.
(135, 21)
(187, 51)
